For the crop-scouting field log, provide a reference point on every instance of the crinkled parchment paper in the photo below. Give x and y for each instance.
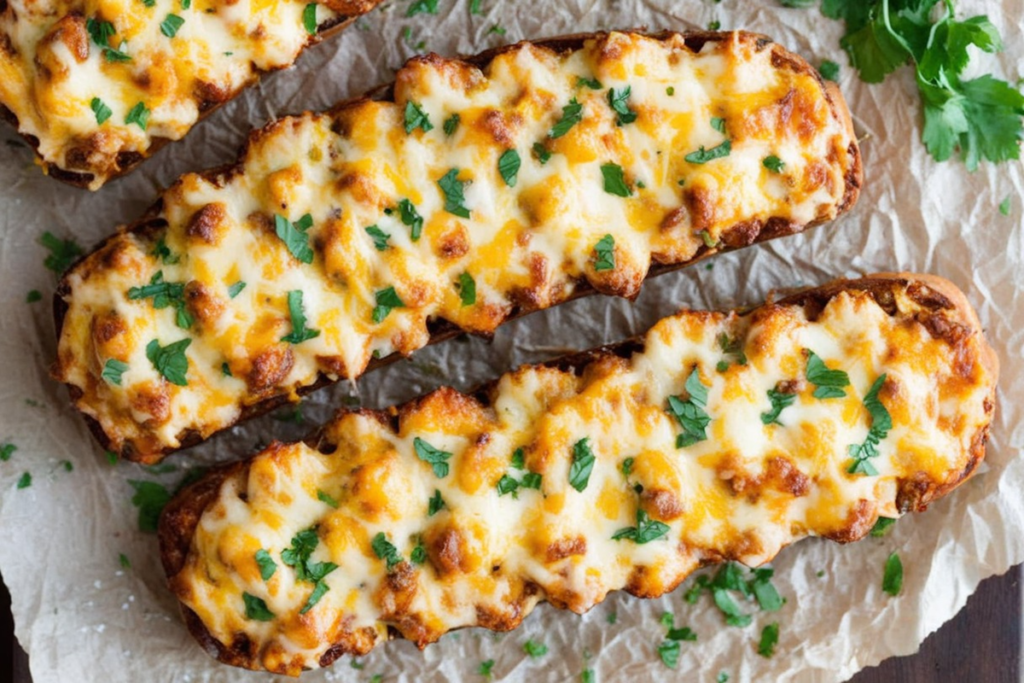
(82, 617)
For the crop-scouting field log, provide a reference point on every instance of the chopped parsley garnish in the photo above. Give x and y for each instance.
(531, 480)
(123, 560)
(170, 26)
(163, 252)
(380, 238)
(112, 371)
(435, 457)
(718, 124)
(583, 460)
(767, 596)
(829, 70)
(256, 609)
(730, 347)
(6, 451)
(829, 383)
(541, 152)
(534, 648)
(508, 167)
(1005, 206)
(309, 18)
(170, 361)
(703, 156)
(266, 564)
(451, 124)
(467, 289)
(618, 101)
(164, 294)
(604, 254)
(892, 580)
(780, 401)
(225, 369)
(422, 7)
(418, 554)
(882, 526)
(300, 332)
(101, 32)
(572, 114)
(411, 218)
(670, 91)
(474, 7)
(769, 639)
(385, 550)
(33, 296)
(139, 115)
(645, 531)
(236, 289)
(387, 300)
(728, 606)
(415, 118)
(294, 236)
(714, 25)
(668, 651)
(507, 485)
(591, 83)
(709, 242)
(881, 423)
(774, 164)
(722, 676)
(319, 590)
(298, 556)
(101, 110)
(326, 498)
(151, 498)
(615, 181)
(436, 503)
(25, 481)
(519, 459)
(487, 665)
(627, 466)
(454, 193)
(690, 414)
(498, 29)
(62, 252)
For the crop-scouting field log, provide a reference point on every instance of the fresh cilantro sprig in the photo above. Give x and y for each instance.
(881, 423)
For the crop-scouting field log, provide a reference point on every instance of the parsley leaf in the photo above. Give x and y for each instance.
(882, 526)
(668, 651)
(256, 609)
(583, 460)
(294, 236)
(519, 459)
(380, 238)
(506, 485)
(123, 560)
(418, 554)
(508, 167)
(385, 550)
(170, 26)
(411, 218)
(236, 289)
(300, 332)
(768, 597)
(309, 21)
(535, 649)
(690, 413)
(139, 115)
(618, 99)
(6, 451)
(591, 83)
(422, 7)
(718, 124)
(266, 564)
(1005, 206)
(779, 401)
(604, 254)
(25, 481)
(769, 639)
(436, 504)
(614, 180)
(319, 590)
(467, 289)
(170, 361)
(541, 152)
(730, 347)
(703, 156)
(164, 294)
(415, 118)
(881, 423)
(150, 497)
(572, 114)
(728, 606)
(722, 676)
(454, 193)
(435, 457)
(829, 70)
(33, 296)
(829, 383)
(387, 300)
(62, 252)
(326, 498)
(112, 371)
(892, 580)
(627, 466)
(101, 110)
(774, 164)
(451, 124)
(487, 665)
(645, 531)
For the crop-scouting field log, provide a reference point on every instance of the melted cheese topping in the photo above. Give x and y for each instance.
(325, 182)
(742, 493)
(74, 85)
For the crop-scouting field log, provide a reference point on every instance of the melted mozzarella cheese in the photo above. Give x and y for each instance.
(74, 85)
(523, 240)
(486, 558)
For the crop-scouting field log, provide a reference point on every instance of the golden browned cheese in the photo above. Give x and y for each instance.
(623, 471)
(475, 195)
(99, 85)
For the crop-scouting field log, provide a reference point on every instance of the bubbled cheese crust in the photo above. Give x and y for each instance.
(526, 244)
(52, 69)
(487, 559)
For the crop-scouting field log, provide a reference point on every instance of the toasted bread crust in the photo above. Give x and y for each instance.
(941, 300)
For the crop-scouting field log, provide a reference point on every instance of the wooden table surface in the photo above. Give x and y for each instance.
(981, 645)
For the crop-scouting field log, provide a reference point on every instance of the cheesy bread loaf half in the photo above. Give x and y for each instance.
(98, 86)
(717, 436)
(459, 198)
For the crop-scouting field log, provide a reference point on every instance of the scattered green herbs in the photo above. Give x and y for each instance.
(454, 193)
(411, 218)
(165, 294)
(170, 361)
(422, 7)
(266, 564)
(123, 560)
(387, 300)
(256, 609)
(508, 166)
(101, 32)
(829, 383)
(1005, 206)
(615, 181)
(380, 238)
(309, 21)
(668, 651)
(718, 124)
(572, 114)
(33, 296)
(171, 25)
(112, 371)
(534, 648)
(780, 401)
(451, 124)
(829, 70)
(150, 497)
(294, 236)
(139, 115)
(732, 348)
(300, 332)
(583, 460)
(326, 499)
(25, 481)
(236, 289)
(892, 580)
(618, 100)
(541, 152)
(882, 527)
(769, 639)
(62, 252)
(691, 413)
(415, 118)
(774, 164)
(591, 83)
(645, 531)
(881, 423)
(418, 554)
(436, 503)
(703, 156)
(101, 110)
(604, 254)
(435, 457)
(6, 451)
(486, 668)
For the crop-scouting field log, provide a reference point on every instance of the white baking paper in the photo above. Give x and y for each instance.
(83, 617)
